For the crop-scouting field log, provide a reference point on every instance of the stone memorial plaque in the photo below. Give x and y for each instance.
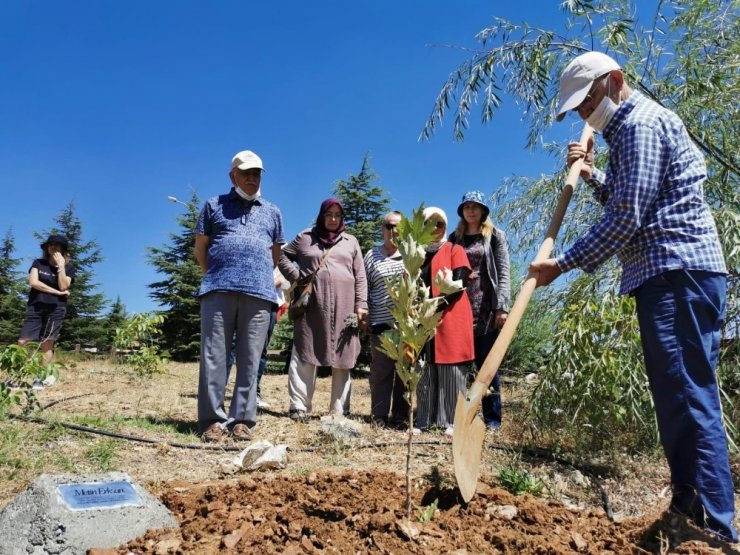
(99, 495)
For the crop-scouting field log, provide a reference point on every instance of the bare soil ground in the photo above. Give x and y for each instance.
(333, 496)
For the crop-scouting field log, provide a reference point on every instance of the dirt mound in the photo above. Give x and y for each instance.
(356, 512)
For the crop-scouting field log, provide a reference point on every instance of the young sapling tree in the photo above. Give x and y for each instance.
(415, 313)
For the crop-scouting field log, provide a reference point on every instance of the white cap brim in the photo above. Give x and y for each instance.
(578, 77)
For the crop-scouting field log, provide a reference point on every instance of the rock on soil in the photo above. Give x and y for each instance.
(365, 512)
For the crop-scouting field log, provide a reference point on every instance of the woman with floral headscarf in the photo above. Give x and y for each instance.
(449, 353)
(328, 333)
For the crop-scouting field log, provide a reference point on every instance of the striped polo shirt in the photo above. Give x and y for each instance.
(379, 268)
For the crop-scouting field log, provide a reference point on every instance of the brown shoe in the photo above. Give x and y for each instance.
(241, 432)
(213, 434)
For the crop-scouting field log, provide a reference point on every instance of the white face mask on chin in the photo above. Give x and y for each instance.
(245, 196)
(602, 114)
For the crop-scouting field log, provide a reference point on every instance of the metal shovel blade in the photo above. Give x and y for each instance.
(467, 442)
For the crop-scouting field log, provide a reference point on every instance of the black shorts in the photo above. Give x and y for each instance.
(43, 321)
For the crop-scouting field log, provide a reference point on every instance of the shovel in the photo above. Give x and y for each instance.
(467, 441)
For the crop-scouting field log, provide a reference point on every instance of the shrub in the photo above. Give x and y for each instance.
(595, 379)
(138, 339)
(21, 366)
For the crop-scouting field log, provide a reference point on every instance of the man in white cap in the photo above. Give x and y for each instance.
(657, 223)
(237, 245)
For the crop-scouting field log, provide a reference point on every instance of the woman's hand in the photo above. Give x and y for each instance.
(499, 319)
(58, 259)
(362, 319)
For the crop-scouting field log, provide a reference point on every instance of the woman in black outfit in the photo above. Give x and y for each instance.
(50, 278)
(488, 286)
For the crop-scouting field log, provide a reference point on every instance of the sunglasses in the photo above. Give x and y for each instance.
(251, 172)
(591, 93)
(439, 224)
(390, 227)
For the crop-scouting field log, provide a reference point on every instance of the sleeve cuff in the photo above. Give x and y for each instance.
(567, 261)
(597, 178)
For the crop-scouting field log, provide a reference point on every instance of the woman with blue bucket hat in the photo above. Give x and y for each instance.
(488, 286)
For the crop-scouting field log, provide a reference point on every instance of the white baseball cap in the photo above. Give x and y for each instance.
(578, 77)
(246, 159)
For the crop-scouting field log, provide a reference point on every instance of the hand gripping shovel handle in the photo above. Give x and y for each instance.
(467, 441)
(496, 356)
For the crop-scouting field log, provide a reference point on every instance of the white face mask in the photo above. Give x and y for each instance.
(602, 114)
(244, 195)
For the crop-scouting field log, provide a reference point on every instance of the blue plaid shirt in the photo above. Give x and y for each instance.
(241, 234)
(655, 218)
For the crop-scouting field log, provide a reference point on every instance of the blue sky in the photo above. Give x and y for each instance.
(116, 105)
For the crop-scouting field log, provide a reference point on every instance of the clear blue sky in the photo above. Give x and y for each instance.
(116, 105)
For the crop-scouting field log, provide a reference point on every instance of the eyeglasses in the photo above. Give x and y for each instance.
(591, 93)
(390, 226)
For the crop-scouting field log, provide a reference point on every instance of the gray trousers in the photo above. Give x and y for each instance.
(437, 394)
(220, 314)
(386, 388)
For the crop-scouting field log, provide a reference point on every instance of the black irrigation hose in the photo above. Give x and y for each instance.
(531, 451)
(201, 446)
(63, 400)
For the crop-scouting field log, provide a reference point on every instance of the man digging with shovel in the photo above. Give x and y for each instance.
(656, 221)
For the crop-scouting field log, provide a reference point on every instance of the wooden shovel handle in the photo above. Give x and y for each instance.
(496, 355)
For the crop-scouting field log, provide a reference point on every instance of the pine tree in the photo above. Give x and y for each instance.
(13, 291)
(365, 205)
(83, 325)
(115, 319)
(177, 292)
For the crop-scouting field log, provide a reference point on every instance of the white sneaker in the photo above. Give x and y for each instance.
(416, 431)
(262, 404)
(50, 380)
(448, 431)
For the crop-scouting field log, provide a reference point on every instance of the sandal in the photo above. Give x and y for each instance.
(213, 434)
(241, 432)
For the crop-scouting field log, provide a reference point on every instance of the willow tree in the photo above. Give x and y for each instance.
(684, 56)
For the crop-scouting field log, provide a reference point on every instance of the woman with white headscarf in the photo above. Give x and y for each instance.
(449, 354)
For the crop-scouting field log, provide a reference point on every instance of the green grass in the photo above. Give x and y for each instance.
(13, 462)
(103, 455)
(116, 423)
(518, 481)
